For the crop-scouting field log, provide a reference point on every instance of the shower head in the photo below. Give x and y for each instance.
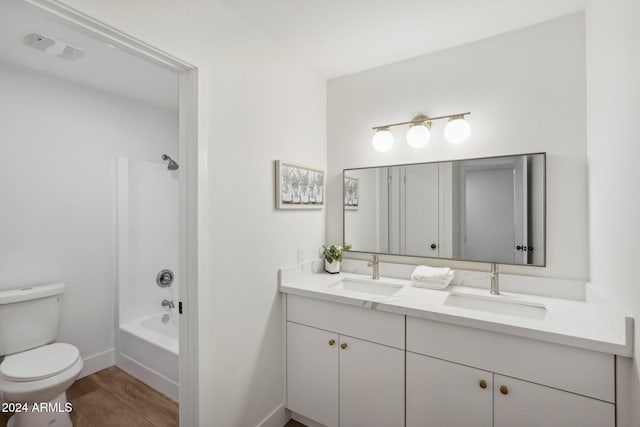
(172, 164)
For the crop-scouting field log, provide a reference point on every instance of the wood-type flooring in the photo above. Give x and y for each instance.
(113, 398)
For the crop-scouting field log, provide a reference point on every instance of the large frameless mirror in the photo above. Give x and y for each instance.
(486, 209)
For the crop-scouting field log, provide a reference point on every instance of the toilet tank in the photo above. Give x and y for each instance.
(29, 317)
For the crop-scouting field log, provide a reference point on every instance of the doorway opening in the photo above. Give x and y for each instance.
(94, 115)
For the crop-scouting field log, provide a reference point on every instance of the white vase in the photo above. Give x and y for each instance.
(332, 267)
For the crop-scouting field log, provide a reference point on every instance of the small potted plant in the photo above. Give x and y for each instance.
(333, 257)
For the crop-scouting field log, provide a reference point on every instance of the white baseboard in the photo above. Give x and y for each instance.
(277, 418)
(148, 376)
(98, 362)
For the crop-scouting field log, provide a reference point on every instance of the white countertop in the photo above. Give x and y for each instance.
(590, 325)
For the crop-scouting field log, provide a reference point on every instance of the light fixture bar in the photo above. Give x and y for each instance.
(427, 119)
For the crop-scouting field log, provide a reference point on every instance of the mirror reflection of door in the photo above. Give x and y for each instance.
(494, 205)
(421, 203)
(389, 236)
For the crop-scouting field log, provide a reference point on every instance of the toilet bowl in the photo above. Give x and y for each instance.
(39, 389)
(35, 373)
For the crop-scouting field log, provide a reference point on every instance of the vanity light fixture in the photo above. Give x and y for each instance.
(419, 133)
(457, 130)
(382, 140)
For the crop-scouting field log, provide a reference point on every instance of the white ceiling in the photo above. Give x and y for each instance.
(339, 37)
(335, 37)
(102, 67)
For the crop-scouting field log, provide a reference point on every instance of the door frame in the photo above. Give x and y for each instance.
(192, 185)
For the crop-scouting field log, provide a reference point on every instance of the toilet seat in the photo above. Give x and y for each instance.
(39, 363)
(39, 390)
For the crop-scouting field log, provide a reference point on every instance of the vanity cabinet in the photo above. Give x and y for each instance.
(350, 366)
(527, 383)
(312, 373)
(343, 380)
(371, 384)
(441, 393)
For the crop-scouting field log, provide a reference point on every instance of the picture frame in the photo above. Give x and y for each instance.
(298, 187)
(351, 192)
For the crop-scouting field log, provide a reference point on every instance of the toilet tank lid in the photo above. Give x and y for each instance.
(27, 293)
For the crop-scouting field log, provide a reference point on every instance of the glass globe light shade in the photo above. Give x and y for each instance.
(382, 140)
(457, 130)
(418, 136)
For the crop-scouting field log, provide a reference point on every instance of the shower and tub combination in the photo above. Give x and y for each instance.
(148, 289)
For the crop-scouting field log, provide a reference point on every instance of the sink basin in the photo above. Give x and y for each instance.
(367, 288)
(497, 304)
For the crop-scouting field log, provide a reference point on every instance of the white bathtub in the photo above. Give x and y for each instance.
(149, 351)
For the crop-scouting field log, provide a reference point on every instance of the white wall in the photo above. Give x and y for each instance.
(257, 104)
(60, 142)
(613, 111)
(526, 92)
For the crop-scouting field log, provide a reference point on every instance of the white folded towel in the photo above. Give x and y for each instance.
(434, 286)
(431, 277)
(422, 273)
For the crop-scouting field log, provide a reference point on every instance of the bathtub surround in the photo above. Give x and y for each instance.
(147, 237)
(147, 340)
(60, 144)
(526, 90)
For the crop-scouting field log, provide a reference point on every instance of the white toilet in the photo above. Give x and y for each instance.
(35, 372)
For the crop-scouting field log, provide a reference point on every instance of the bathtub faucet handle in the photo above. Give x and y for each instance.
(167, 303)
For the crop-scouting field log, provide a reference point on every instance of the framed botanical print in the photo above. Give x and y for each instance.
(298, 187)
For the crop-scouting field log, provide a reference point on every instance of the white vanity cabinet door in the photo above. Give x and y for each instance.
(371, 384)
(441, 393)
(312, 373)
(531, 405)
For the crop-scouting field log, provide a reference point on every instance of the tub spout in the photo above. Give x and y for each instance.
(167, 303)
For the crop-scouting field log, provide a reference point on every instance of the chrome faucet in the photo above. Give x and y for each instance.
(376, 268)
(495, 276)
(167, 303)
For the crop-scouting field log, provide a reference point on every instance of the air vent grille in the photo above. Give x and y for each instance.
(50, 45)
(38, 41)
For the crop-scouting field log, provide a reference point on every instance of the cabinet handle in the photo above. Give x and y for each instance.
(483, 384)
(504, 389)
(343, 345)
(332, 342)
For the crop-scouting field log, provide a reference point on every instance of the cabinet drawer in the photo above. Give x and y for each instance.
(585, 372)
(371, 325)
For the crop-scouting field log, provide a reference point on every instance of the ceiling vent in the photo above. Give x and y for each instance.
(51, 46)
